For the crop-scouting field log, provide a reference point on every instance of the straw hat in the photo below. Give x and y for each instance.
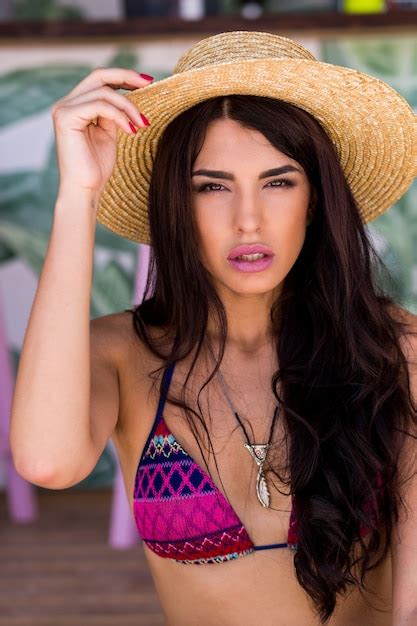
(373, 128)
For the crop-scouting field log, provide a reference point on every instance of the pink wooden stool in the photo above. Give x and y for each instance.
(21, 497)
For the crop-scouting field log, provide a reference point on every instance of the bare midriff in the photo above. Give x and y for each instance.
(260, 588)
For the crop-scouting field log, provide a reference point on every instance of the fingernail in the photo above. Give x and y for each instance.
(146, 76)
(145, 121)
(132, 127)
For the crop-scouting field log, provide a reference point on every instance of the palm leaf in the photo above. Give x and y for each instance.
(33, 90)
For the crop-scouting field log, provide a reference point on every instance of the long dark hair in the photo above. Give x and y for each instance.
(342, 370)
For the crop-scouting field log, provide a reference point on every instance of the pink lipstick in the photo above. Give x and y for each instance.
(255, 264)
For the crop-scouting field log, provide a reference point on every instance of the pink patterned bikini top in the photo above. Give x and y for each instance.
(179, 512)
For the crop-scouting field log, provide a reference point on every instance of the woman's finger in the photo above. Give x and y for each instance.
(83, 114)
(114, 77)
(117, 99)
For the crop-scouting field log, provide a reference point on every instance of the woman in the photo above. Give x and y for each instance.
(291, 366)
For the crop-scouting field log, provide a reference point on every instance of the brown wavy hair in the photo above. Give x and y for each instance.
(343, 374)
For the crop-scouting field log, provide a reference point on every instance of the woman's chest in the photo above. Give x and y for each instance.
(218, 455)
(261, 586)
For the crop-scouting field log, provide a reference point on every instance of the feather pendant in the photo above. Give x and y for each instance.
(262, 489)
(258, 451)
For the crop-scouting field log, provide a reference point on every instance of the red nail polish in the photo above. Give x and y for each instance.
(146, 76)
(132, 127)
(145, 121)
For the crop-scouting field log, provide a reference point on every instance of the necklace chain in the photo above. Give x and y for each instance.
(258, 451)
(237, 415)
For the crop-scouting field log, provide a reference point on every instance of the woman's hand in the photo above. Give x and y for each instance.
(87, 152)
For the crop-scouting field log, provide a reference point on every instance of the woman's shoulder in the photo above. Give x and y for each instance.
(408, 343)
(405, 314)
(110, 333)
(114, 336)
(408, 338)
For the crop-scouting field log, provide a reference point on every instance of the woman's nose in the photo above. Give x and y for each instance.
(248, 214)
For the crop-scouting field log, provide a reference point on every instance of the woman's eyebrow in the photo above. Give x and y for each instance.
(284, 169)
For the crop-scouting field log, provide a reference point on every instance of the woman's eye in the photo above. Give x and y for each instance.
(207, 185)
(281, 183)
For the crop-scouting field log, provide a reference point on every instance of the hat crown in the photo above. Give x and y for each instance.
(240, 45)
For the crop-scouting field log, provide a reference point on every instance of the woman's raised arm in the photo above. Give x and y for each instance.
(61, 378)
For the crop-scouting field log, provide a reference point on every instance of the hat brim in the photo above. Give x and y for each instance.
(373, 129)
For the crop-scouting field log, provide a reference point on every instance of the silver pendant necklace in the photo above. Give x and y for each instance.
(258, 451)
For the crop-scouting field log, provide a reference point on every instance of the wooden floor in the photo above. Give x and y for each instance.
(60, 571)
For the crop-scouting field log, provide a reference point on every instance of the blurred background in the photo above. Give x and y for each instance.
(52, 542)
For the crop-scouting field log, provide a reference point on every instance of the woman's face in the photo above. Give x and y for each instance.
(245, 208)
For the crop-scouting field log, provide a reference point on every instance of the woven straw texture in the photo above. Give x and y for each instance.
(373, 128)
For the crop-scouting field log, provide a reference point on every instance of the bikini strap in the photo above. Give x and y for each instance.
(166, 381)
(165, 387)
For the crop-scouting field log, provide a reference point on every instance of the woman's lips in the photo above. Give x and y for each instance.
(253, 248)
(252, 266)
